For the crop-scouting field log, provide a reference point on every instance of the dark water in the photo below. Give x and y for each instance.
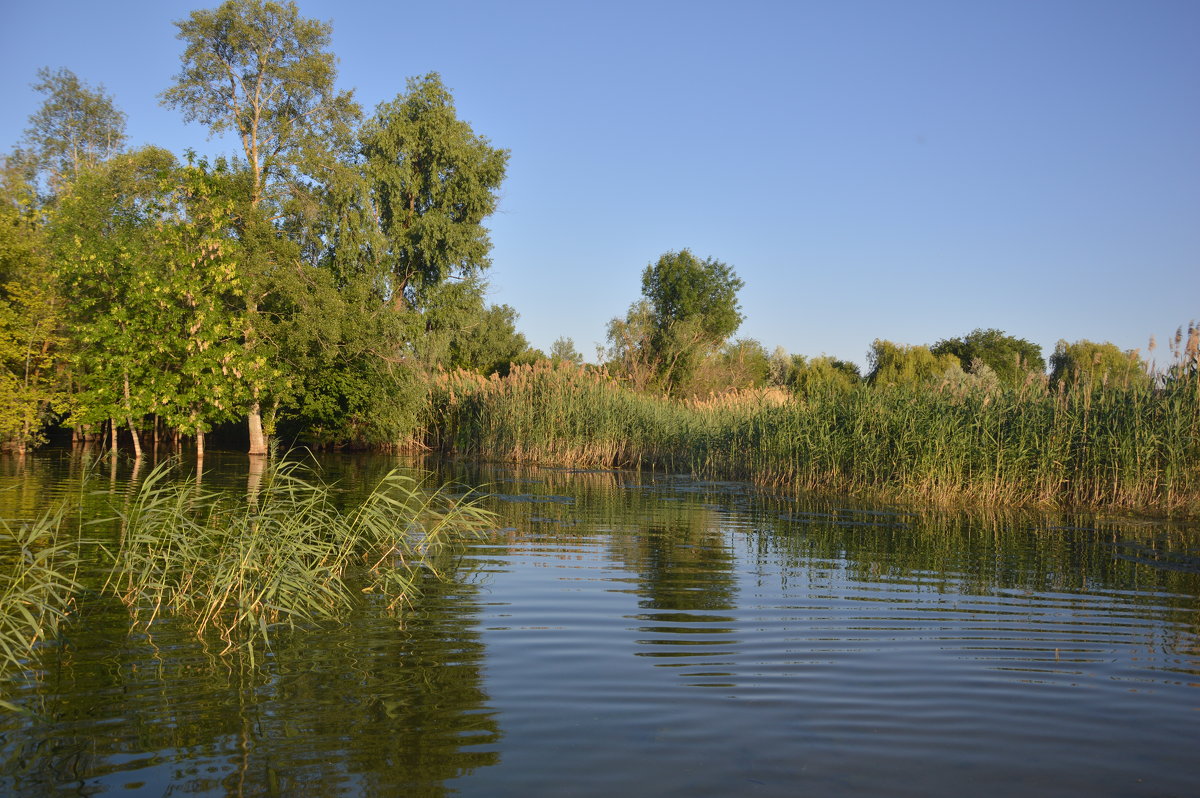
(645, 634)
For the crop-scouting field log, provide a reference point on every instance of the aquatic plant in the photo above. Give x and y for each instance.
(285, 555)
(38, 568)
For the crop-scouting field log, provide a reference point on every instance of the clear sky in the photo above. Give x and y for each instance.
(908, 170)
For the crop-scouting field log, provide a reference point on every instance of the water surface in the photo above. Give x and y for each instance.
(649, 634)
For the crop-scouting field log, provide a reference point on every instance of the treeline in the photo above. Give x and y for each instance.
(305, 284)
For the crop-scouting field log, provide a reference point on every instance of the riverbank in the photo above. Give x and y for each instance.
(1126, 448)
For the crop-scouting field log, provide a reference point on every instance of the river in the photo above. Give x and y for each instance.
(647, 634)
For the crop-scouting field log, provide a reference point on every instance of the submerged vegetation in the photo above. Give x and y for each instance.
(1132, 446)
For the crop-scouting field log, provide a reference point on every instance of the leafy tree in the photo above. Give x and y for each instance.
(432, 181)
(265, 73)
(30, 311)
(629, 355)
(77, 127)
(563, 351)
(1090, 363)
(105, 229)
(690, 309)
(684, 290)
(809, 377)
(900, 364)
(262, 71)
(459, 331)
(1010, 358)
(741, 363)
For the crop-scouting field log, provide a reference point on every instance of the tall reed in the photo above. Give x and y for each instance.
(286, 556)
(1122, 446)
(38, 567)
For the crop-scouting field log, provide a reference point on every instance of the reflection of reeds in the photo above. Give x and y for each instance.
(289, 556)
(1131, 446)
(38, 566)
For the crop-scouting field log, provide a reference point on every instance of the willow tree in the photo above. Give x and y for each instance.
(432, 182)
(264, 73)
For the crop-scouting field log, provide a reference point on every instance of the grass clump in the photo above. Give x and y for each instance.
(288, 555)
(38, 569)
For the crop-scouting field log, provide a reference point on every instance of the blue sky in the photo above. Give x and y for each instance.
(870, 168)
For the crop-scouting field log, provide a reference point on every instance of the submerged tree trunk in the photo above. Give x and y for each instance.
(137, 443)
(258, 441)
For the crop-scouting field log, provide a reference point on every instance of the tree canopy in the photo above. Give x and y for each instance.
(1009, 357)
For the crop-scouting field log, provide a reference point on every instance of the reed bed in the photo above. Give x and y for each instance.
(286, 556)
(1133, 447)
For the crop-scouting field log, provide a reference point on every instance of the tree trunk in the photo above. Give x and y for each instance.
(258, 441)
(199, 444)
(112, 425)
(137, 443)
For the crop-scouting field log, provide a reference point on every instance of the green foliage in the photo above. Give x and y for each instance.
(29, 320)
(1011, 359)
(740, 364)
(685, 291)
(900, 364)
(432, 182)
(76, 128)
(262, 71)
(821, 375)
(1087, 362)
(563, 351)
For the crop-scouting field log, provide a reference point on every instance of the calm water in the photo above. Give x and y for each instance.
(649, 635)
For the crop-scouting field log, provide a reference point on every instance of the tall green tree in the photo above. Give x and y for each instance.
(691, 309)
(1009, 357)
(77, 127)
(105, 229)
(433, 181)
(263, 72)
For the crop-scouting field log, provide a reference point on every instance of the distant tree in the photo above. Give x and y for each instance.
(491, 344)
(741, 363)
(1010, 358)
(682, 289)
(693, 309)
(629, 355)
(1090, 363)
(824, 374)
(76, 128)
(432, 181)
(563, 351)
(900, 364)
